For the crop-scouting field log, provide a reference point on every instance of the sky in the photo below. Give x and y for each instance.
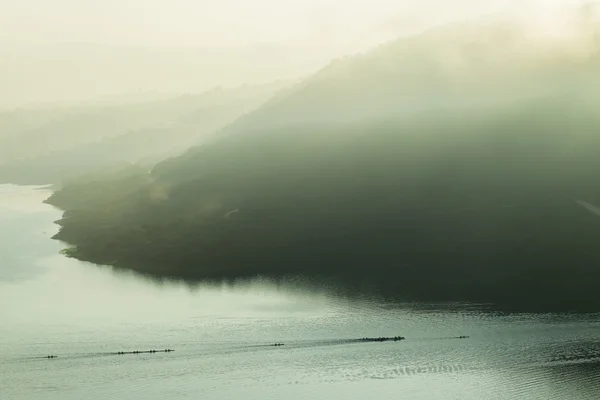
(237, 22)
(168, 45)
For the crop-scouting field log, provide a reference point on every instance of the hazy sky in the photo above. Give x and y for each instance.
(235, 22)
(39, 64)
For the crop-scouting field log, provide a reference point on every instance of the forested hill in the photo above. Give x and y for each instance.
(447, 167)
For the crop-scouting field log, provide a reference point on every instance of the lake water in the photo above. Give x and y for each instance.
(51, 305)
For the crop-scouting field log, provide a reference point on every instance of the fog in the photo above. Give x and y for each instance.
(70, 50)
(254, 185)
(452, 148)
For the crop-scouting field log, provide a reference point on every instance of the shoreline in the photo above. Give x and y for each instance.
(394, 283)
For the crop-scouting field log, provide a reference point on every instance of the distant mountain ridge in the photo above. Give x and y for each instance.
(50, 145)
(34, 74)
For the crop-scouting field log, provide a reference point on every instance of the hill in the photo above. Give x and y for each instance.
(456, 165)
(51, 145)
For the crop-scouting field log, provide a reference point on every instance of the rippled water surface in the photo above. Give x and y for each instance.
(83, 314)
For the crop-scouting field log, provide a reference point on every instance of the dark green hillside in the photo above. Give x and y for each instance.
(475, 200)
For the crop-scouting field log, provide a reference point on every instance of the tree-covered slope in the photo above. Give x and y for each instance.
(466, 187)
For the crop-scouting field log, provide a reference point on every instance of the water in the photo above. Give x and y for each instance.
(51, 305)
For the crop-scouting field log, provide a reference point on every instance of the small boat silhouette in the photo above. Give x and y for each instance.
(382, 339)
(144, 352)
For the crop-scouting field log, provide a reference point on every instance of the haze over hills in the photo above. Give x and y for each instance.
(457, 65)
(41, 146)
(107, 74)
(450, 165)
(75, 50)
